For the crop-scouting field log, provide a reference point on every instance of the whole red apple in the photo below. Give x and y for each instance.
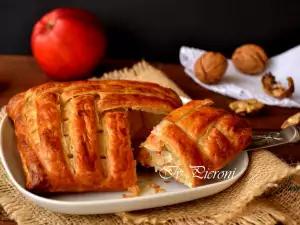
(68, 43)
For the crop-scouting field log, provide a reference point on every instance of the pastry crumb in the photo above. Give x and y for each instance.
(159, 190)
(156, 188)
(167, 181)
(128, 196)
(135, 190)
(152, 185)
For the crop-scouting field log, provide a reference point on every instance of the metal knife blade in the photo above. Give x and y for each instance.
(265, 139)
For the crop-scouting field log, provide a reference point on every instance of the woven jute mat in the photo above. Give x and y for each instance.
(268, 193)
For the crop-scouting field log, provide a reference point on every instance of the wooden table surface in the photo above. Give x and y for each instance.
(18, 73)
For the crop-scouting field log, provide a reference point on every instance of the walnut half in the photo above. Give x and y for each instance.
(291, 121)
(246, 107)
(276, 89)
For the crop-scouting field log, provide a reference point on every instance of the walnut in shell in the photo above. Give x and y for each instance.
(276, 89)
(293, 120)
(250, 59)
(210, 67)
(246, 107)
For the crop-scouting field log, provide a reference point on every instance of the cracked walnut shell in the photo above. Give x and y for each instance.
(291, 121)
(276, 89)
(250, 59)
(246, 107)
(210, 67)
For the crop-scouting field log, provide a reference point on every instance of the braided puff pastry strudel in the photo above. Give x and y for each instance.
(76, 136)
(194, 140)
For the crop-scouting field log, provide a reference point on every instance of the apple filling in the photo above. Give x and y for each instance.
(168, 165)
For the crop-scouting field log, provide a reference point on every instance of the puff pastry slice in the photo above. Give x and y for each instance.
(194, 136)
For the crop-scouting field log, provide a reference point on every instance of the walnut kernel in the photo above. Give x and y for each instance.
(276, 89)
(246, 107)
(293, 120)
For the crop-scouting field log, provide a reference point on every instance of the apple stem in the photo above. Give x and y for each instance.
(50, 25)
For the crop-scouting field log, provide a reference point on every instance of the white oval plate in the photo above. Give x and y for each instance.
(110, 202)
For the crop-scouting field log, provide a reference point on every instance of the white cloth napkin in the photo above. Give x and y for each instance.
(240, 86)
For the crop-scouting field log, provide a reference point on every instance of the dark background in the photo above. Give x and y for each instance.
(155, 29)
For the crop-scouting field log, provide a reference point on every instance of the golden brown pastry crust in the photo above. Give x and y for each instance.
(196, 134)
(75, 136)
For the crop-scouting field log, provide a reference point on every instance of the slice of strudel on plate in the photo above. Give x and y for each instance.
(192, 136)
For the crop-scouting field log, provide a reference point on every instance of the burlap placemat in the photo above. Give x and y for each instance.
(268, 193)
